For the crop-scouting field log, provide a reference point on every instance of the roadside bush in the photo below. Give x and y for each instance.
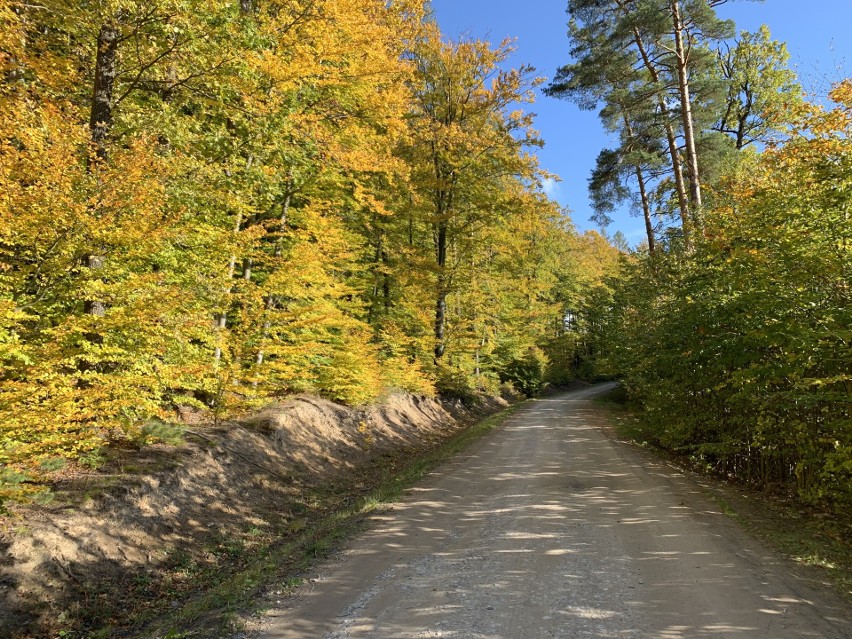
(527, 373)
(740, 352)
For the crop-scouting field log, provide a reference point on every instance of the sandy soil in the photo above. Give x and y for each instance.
(121, 543)
(548, 528)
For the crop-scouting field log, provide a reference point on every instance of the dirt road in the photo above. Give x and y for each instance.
(547, 528)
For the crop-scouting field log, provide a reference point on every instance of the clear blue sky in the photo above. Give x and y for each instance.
(818, 35)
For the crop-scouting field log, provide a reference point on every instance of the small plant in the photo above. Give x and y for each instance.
(52, 464)
(372, 503)
(93, 459)
(17, 486)
(369, 438)
(159, 431)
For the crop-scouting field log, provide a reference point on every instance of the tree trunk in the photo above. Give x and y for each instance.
(100, 123)
(220, 320)
(94, 307)
(671, 139)
(386, 283)
(680, 184)
(686, 111)
(100, 120)
(643, 192)
(646, 211)
(441, 301)
(270, 299)
(372, 312)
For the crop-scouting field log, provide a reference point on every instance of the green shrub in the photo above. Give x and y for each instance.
(527, 373)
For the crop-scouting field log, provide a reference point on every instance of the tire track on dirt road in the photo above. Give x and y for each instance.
(547, 528)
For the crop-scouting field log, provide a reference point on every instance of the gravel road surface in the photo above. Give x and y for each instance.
(548, 528)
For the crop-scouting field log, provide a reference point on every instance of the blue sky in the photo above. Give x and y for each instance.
(817, 34)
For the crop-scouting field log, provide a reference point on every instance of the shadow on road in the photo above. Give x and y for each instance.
(549, 529)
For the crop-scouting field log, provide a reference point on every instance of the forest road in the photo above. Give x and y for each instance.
(548, 528)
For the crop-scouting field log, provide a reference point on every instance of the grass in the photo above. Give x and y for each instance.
(336, 513)
(806, 535)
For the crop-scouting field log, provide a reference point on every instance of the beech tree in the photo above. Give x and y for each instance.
(760, 88)
(216, 204)
(464, 142)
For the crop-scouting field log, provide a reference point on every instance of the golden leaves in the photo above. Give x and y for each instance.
(268, 191)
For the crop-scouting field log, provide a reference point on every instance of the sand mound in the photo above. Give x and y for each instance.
(114, 536)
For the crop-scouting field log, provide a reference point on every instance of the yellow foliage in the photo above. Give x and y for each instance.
(259, 217)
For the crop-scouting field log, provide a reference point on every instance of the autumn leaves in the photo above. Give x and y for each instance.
(282, 196)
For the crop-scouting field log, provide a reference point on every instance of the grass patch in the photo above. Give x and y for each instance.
(336, 512)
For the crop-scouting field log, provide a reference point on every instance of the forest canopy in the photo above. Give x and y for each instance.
(217, 204)
(211, 206)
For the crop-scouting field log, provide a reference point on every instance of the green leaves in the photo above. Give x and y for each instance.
(740, 352)
(259, 215)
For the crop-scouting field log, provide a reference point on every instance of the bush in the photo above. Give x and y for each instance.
(454, 382)
(526, 373)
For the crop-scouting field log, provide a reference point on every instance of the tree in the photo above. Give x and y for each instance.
(760, 89)
(464, 141)
(88, 344)
(639, 58)
(639, 158)
(739, 351)
(216, 204)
